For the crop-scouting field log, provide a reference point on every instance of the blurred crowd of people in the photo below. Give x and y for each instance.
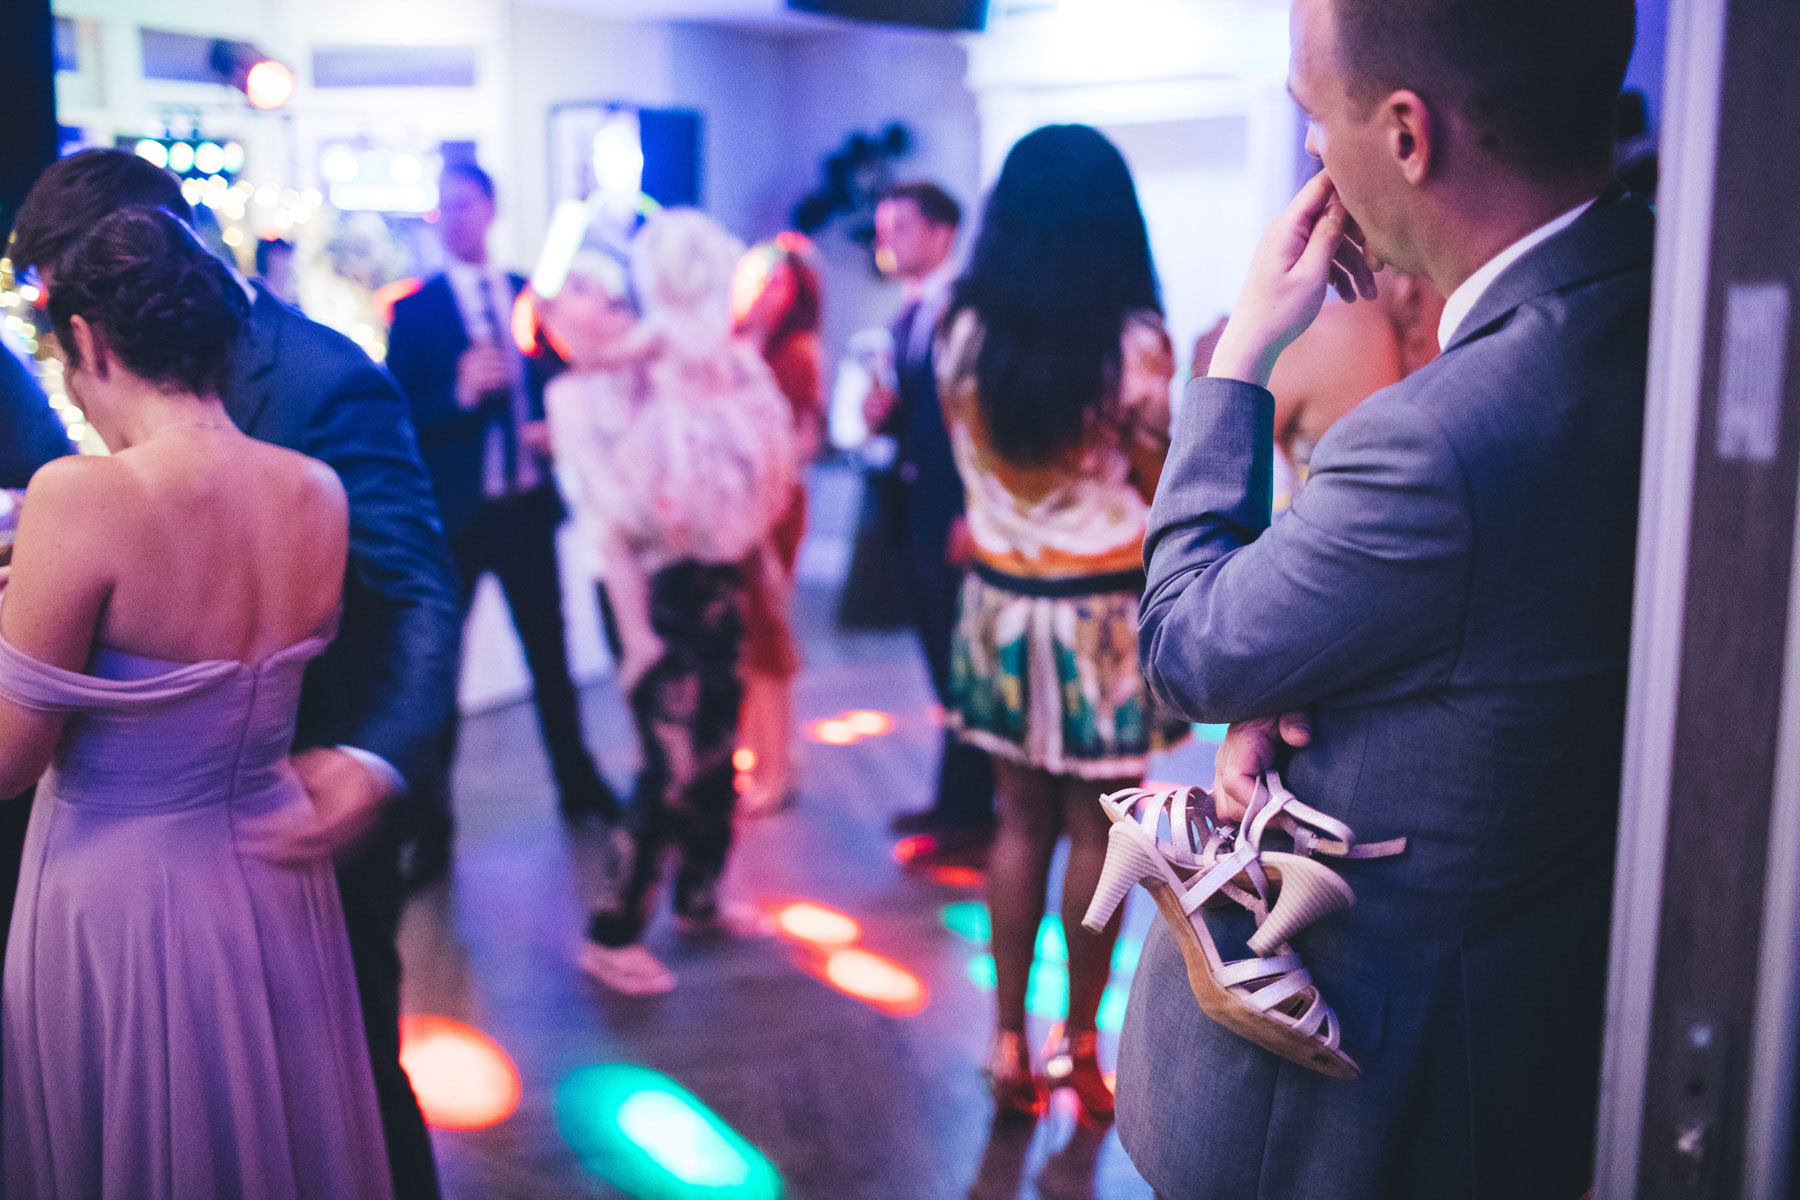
(233, 645)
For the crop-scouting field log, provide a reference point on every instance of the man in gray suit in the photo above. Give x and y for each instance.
(1443, 613)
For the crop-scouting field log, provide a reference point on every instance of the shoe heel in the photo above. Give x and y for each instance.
(1310, 892)
(1128, 860)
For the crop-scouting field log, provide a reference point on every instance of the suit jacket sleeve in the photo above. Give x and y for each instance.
(1366, 572)
(30, 433)
(420, 358)
(401, 628)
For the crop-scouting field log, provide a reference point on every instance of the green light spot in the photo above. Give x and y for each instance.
(1048, 993)
(1125, 956)
(1050, 944)
(981, 972)
(968, 919)
(1112, 1007)
(1210, 733)
(654, 1140)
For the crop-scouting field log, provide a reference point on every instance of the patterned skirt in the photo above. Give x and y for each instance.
(1044, 672)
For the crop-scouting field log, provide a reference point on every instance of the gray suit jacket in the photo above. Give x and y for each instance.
(1450, 594)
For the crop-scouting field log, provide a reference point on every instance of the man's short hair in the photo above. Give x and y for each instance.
(934, 203)
(1539, 79)
(267, 248)
(74, 193)
(469, 173)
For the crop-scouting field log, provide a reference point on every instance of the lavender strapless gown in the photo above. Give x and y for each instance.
(180, 1017)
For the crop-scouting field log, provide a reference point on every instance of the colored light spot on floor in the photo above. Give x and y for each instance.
(743, 759)
(867, 722)
(981, 972)
(1126, 952)
(1210, 733)
(833, 732)
(876, 981)
(1051, 946)
(1047, 994)
(462, 1077)
(1112, 1007)
(967, 919)
(653, 1139)
(962, 877)
(815, 923)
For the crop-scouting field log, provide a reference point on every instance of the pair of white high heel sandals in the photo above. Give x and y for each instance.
(1165, 838)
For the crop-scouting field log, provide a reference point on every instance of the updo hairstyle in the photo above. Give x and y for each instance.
(162, 303)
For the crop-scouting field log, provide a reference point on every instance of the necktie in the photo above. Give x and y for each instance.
(502, 405)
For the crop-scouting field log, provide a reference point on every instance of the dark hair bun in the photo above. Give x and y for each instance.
(164, 306)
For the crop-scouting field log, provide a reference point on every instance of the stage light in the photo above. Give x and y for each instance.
(818, 925)
(406, 169)
(152, 152)
(743, 759)
(876, 981)
(619, 155)
(209, 158)
(869, 723)
(265, 82)
(234, 157)
(181, 158)
(462, 1077)
(650, 1137)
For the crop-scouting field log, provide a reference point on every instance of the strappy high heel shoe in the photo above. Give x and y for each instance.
(1010, 1079)
(1076, 1065)
(1187, 864)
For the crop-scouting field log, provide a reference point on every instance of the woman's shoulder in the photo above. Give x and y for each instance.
(956, 348)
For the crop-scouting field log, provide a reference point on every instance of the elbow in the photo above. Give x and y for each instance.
(1187, 679)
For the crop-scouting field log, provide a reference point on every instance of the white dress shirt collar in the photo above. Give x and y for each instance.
(1462, 301)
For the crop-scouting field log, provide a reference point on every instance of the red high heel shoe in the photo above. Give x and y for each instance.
(1009, 1077)
(1076, 1066)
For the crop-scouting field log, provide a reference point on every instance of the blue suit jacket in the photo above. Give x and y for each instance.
(30, 433)
(387, 682)
(427, 339)
(1450, 594)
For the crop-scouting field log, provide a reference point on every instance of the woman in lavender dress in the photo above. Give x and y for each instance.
(180, 1017)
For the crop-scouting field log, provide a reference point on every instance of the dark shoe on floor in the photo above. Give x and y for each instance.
(594, 798)
(924, 820)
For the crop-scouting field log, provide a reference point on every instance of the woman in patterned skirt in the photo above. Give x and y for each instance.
(1054, 373)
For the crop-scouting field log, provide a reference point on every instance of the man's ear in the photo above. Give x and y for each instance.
(89, 348)
(1410, 132)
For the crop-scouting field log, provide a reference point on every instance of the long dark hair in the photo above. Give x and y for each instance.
(1062, 260)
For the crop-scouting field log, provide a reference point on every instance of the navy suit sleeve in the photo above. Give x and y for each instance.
(1367, 571)
(30, 433)
(422, 360)
(401, 630)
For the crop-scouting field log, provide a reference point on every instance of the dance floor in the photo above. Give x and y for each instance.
(839, 1061)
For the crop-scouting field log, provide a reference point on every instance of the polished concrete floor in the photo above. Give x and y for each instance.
(845, 1100)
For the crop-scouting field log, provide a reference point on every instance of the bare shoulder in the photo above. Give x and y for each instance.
(75, 489)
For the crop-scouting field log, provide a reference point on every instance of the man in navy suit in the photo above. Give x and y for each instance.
(915, 232)
(373, 705)
(1441, 618)
(478, 406)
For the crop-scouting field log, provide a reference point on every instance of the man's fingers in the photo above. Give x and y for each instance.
(1342, 283)
(1321, 246)
(1311, 200)
(1349, 257)
(1296, 728)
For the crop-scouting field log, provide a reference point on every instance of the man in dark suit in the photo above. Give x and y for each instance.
(374, 704)
(479, 408)
(1440, 618)
(915, 233)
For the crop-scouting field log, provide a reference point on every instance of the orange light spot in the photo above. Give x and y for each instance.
(269, 84)
(869, 723)
(390, 294)
(909, 848)
(876, 981)
(815, 923)
(744, 759)
(833, 732)
(525, 325)
(1112, 1081)
(963, 877)
(462, 1077)
(741, 783)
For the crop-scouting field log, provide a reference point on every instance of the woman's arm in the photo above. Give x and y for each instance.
(54, 598)
(1146, 368)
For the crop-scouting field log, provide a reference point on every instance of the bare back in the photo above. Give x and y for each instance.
(199, 545)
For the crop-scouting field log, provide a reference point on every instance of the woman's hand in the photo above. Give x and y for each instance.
(1315, 243)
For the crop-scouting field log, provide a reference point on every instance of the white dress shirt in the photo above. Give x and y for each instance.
(466, 281)
(1462, 301)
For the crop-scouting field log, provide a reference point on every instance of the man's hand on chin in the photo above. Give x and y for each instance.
(1249, 749)
(1314, 244)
